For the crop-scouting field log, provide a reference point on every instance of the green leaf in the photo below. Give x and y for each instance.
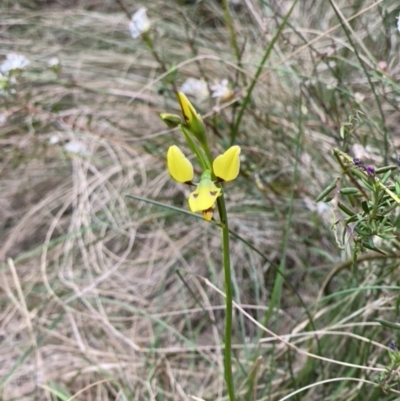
(384, 169)
(349, 191)
(346, 210)
(327, 190)
(365, 206)
(372, 247)
(386, 177)
(397, 186)
(58, 391)
(388, 325)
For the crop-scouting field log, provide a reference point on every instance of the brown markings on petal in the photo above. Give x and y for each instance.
(195, 195)
(213, 193)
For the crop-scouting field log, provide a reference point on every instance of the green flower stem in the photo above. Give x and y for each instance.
(204, 160)
(228, 299)
(149, 44)
(229, 23)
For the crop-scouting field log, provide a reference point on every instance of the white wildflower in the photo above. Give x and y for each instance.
(76, 147)
(54, 139)
(14, 62)
(195, 87)
(139, 23)
(54, 62)
(221, 90)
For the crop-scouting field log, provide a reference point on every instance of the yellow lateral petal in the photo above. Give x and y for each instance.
(204, 196)
(227, 165)
(178, 165)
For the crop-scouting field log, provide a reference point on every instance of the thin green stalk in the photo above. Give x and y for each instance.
(150, 45)
(232, 37)
(246, 100)
(228, 299)
(278, 284)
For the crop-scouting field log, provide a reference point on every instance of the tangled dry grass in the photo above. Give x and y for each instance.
(104, 297)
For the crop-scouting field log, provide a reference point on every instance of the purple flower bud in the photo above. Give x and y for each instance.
(393, 346)
(358, 162)
(370, 170)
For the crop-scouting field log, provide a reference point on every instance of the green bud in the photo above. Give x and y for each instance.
(172, 120)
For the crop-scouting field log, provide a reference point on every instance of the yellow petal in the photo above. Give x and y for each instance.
(204, 197)
(178, 165)
(227, 165)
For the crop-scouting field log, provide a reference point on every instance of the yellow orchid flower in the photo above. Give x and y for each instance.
(226, 166)
(203, 198)
(205, 195)
(178, 165)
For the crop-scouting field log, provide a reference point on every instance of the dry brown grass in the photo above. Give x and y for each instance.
(91, 305)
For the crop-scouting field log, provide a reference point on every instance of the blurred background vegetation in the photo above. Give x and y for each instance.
(103, 297)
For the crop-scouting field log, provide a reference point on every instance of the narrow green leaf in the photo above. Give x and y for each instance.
(346, 209)
(388, 325)
(349, 191)
(384, 169)
(327, 190)
(386, 177)
(365, 206)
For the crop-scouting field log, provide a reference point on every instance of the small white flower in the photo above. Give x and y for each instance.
(54, 62)
(139, 23)
(54, 139)
(76, 147)
(195, 87)
(14, 62)
(221, 90)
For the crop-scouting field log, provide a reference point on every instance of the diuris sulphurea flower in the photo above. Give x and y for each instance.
(202, 199)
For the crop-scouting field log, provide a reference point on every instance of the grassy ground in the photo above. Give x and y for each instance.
(104, 297)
